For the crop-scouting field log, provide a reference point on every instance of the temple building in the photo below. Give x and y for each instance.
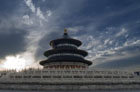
(65, 54)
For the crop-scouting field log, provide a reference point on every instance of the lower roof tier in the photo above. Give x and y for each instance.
(66, 60)
(65, 50)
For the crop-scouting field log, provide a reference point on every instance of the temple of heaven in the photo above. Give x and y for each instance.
(65, 54)
(66, 70)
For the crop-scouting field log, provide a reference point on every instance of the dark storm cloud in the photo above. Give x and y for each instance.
(12, 38)
(11, 43)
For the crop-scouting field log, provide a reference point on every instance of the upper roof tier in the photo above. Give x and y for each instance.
(65, 40)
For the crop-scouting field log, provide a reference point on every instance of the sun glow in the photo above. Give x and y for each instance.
(18, 62)
(14, 62)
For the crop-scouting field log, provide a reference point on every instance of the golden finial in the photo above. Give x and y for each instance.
(65, 30)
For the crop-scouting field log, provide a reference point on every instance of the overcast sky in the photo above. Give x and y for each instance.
(109, 30)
